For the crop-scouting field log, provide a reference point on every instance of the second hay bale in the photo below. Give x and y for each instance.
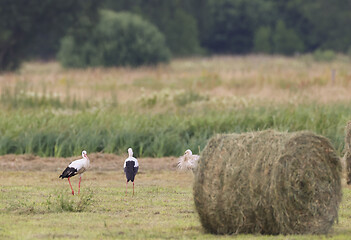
(269, 183)
(347, 157)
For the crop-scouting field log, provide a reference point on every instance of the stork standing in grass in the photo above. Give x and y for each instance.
(131, 167)
(188, 161)
(76, 167)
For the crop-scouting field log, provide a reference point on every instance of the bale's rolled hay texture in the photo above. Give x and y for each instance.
(269, 183)
(347, 156)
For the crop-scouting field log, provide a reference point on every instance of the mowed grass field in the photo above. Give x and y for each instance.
(40, 206)
(160, 111)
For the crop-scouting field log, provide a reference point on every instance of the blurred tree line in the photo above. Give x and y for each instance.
(33, 29)
(38, 29)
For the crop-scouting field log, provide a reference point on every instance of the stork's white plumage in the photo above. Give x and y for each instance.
(188, 160)
(76, 167)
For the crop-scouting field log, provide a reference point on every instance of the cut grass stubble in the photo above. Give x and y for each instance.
(161, 208)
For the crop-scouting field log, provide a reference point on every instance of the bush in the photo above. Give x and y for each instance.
(324, 55)
(63, 202)
(262, 40)
(119, 39)
(188, 97)
(182, 34)
(286, 41)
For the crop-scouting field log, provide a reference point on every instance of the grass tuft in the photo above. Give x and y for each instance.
(55, 203)
(61, 202)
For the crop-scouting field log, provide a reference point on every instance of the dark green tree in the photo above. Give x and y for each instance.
(174, 19)
(319, 24)
(182, 36)
(119, 39)
(33, 29)
(286, 41)
(329, 23)
(233, 24)
(263, 40)
(36, 24)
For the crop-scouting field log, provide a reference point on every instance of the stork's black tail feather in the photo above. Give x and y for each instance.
(68, 172)
(130, 170)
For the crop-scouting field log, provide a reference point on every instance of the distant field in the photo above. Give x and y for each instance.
(269, 78)
(161, 111)
(38, 205)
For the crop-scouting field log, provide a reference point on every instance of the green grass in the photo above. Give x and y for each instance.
(55, 132)
(162, 208)
(48, 111)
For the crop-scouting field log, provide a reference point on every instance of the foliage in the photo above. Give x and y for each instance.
(182, 34)
(37, 24)
(232, 24)
(262, 40)
(119, 39)
(285, 40)
(324, 55)
(176, 19)
(34, 29)
(229, 26)
(188, 97)
(327, 21)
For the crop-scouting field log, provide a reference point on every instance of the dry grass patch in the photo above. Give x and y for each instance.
(281, 77)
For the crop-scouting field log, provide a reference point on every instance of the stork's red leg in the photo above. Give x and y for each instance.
(80, 179)
(70, 185)
(133, 188)
(126, 187)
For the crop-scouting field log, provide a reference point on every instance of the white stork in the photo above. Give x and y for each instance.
(131, 167)
(188, 160)
(76, 167)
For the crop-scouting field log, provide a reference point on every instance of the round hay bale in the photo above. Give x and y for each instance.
(347, 157)
(268, 182)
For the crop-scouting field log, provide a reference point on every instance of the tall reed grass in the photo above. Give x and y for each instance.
(53, 133)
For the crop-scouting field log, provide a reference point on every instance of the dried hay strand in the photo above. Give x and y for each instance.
(268, 182)
(347, 157)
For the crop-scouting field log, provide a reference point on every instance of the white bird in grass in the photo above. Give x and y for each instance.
(188, 160)
(131, 167)
(76, 167)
